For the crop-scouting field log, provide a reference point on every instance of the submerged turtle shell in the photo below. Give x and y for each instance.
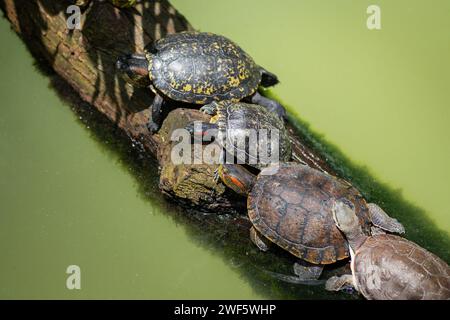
(202, 67)
(292, 208)
(390, 267)
(239, 120)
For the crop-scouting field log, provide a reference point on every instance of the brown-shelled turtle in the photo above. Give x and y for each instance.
(387, 267)
(250, 133)
(197, 68)
(291, 205)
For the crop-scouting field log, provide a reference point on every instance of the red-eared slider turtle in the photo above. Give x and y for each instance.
(197, 68)
(117, 3)
(248, 132)
(387, 267)
(290, 205)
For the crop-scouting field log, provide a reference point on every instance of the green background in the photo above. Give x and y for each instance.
(382, 96)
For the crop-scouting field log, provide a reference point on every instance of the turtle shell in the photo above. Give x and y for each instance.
(390, 267)
(201, 67)
(292, 208)
(239, 120)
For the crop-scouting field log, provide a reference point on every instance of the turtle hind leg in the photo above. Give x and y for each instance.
(340, 283)
(268, 79)
(201, 130)
(269, 104)
(307, 271)
(261, 242)
(381, 219)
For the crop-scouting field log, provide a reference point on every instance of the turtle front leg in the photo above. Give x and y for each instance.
(340, 283)
(270, 104)
(374, 231)
(307, 272)
(261, 242)
(382, 220)
(154, 122)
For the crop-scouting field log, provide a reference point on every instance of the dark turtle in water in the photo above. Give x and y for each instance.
(117, 3)
(248, 132)
(197, 68)
(388, 267)
(291, 206)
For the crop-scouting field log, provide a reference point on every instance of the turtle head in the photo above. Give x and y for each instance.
(134, 69)
(346, 220)
(237, 178)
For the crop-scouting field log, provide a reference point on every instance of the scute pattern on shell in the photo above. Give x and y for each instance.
(293, 209)
(390, 267)
(237, 120)
(202, 67)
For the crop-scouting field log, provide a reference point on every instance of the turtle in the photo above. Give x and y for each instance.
(386, 266)
(197, 68)
(290, 205)
(235, 124)
(117, 3)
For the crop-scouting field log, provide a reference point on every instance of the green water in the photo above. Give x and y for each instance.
(66, 198)
(382, 96)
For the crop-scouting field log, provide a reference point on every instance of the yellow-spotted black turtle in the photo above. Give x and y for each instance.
(197, 68)
(249, 133)
(291, 205)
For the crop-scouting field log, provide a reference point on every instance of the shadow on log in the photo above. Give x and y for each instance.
(81, 66)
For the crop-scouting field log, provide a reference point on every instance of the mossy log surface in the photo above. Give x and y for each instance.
(81, 67)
